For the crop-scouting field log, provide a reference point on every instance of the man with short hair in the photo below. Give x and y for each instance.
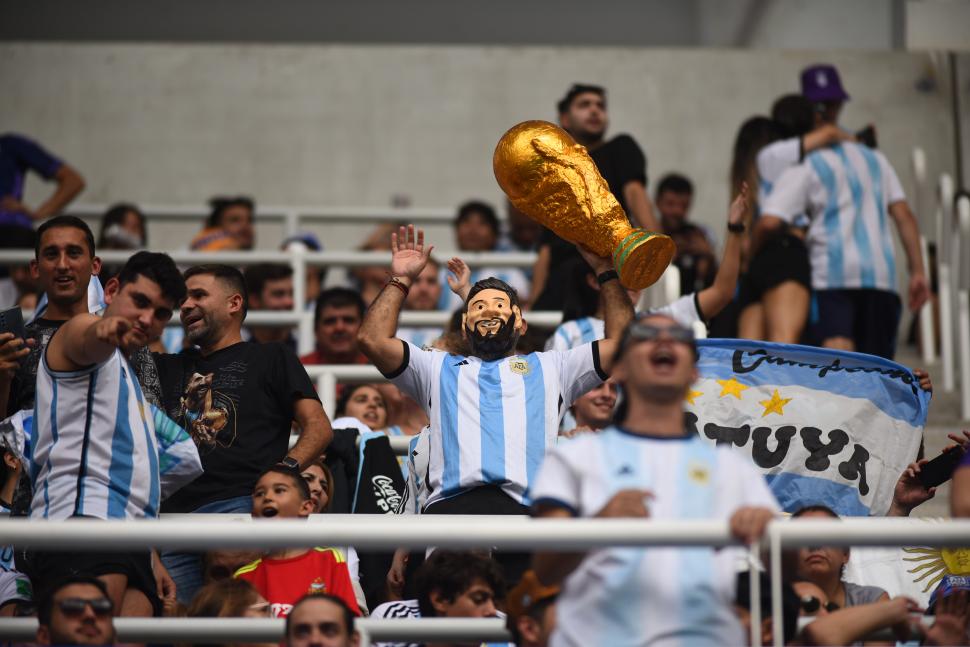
(93, 446)
(270, 287)
(229, 226)
(336, 320)
(847, 190)
(238, 400)
(621, 162)
(477, 229)
(649, 466)
(76, 611)
(695, 243)
(321, 620)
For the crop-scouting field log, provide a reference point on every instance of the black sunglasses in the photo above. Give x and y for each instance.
(811, 604)
(648, 332)
(73, 607)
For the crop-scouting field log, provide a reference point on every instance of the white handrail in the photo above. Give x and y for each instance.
(926, 323)
(250, 630)
(945, 282)
(963, 304)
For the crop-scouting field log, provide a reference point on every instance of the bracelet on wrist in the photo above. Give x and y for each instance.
(608, 275)
(736, 227)
(399, 284)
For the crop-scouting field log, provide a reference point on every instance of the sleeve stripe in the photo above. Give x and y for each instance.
(597, 365)
(404, 363)
(697, 306)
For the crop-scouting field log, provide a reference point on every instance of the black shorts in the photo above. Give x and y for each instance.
(870, 318)
(782, 258)
(45, 568)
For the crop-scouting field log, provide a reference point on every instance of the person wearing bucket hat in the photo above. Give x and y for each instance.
(822, 86)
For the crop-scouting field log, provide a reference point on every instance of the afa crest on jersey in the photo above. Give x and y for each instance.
(519, 366)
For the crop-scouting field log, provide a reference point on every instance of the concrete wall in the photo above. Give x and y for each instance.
(355, 125)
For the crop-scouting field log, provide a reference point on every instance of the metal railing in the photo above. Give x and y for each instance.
(376, 532)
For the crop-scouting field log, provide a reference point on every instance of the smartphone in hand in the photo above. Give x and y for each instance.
(940, 469)
(12, 321)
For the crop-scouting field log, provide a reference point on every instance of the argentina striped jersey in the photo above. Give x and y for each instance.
(846, 191)
(93, 451)
(491, 422)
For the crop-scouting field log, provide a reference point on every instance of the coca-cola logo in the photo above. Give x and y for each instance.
(385, 495)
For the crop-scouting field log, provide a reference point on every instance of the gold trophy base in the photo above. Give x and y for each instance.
(641, 258)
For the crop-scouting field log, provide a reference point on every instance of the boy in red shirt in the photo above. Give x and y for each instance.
(285, 576)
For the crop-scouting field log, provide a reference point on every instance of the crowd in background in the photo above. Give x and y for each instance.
(794, 263)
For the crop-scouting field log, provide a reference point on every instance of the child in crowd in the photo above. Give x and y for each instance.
(284, 576)
(15, 588)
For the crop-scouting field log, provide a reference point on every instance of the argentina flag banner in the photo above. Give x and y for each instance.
(826, 427)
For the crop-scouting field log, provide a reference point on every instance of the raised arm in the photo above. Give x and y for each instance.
(714, 298)
(919, 289)
(376, 336)
(315, 431)
(641, 211)
(69, 184)
(617, 307)
(459, 278)
(88, 339)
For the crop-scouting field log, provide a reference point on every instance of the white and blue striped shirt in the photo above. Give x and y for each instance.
(626, 597)
(846, 191)
(93, 451)
(516, 278)
(491, 422)
(684, 310)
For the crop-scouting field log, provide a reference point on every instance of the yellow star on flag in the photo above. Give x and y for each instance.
(693, 394)
(732, 387)
(775, 404)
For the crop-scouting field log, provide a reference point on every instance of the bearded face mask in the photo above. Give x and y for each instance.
(492, 324)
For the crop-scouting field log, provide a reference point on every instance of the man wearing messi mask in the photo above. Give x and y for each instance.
(493, 413)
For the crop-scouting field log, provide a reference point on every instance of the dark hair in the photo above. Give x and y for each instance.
(675, 183)
(229, 276)
(256, 276)
(794, 114)
(64, 221)
(156, 267)
(338, 298)
(815, 508)
(753, 135)
(485, 210)
(115, 215)
(582, 299)
(225, 598)
(535, 611)
(294, 475)
(578, 88)
(790, 603)
(451, 573)
(492, 283)
(45, 603)
(219, 205)
(348, 392)
(347, 613)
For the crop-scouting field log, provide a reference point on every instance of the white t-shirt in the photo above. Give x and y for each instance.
(491, 422)
(845, 190)
(684, 310)
(650, 596)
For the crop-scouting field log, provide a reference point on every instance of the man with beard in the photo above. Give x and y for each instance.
(238, 400)
(493, 413)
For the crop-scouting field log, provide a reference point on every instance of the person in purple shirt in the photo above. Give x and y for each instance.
(18, 155)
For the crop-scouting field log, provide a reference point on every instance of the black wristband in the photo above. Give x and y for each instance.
(608, 275)
(289, 463)
(736, 227)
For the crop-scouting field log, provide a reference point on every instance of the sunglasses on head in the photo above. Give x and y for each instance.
(811, 604)
(73, 607)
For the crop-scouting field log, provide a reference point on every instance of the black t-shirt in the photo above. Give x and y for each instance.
(24, 385)
(619, 161)
(237, 404)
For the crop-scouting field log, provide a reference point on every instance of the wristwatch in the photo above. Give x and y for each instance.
(608, 275)
(290, 463)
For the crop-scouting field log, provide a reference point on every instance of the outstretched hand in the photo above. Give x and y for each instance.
(459, 277)
(119, 332)
(408, 253)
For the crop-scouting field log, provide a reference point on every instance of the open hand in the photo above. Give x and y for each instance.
(740, 206)
(408, 253)
(459, 277)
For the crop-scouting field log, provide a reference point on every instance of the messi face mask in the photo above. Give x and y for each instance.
(492, 324)
(494, 344)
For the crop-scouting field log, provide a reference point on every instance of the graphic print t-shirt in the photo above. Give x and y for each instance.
(237, 404)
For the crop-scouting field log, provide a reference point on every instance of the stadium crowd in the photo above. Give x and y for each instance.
(115, 414)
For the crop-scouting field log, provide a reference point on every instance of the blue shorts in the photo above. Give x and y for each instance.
(870, 318)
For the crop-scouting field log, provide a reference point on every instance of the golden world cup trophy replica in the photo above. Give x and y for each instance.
(553, 180)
